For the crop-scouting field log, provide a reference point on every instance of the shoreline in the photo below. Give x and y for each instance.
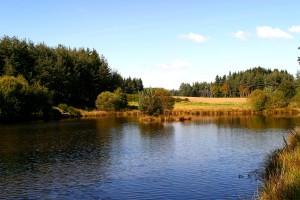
(189, 114)
(282, 171)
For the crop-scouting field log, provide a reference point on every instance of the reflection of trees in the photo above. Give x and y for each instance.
(61, 156)
(256, 122)
(157, 140)
(40, 146)
(156, 129)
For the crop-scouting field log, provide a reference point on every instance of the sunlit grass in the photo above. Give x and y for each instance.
(283, 172)
(193, 105)
(211, 103)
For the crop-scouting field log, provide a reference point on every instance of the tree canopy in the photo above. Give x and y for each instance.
(19, 100)
(240, 84)
(72, 76)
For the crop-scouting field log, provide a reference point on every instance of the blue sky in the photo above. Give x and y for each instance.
(165, 42)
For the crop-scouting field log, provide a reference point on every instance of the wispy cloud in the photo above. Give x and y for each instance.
(194, 37)
(177, 64)
(272, 33)
(294, 29)
(241, 35)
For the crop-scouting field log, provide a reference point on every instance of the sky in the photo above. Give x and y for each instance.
(165, 42)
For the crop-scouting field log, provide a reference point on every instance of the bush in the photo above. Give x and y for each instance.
(133, 97)
(276, 100)
(40, 100)
(295, 101)
(14, 92)
(288, 88)
(258, 100)
(19, 100)
(112, 101)
(155, 101)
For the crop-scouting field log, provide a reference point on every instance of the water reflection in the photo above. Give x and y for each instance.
(120, 158)
(253, 122)
(156, 129)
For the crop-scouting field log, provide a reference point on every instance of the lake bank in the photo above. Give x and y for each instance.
(190, 114)
(282, 172)
(189, 107)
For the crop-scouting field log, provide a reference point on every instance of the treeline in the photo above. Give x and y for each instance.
(70, 76)
(241, 84)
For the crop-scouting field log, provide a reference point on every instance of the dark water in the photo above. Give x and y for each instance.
(119, 158)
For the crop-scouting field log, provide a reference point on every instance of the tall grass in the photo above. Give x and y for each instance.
(282, 171)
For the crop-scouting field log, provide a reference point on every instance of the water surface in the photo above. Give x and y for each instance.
(120, 158)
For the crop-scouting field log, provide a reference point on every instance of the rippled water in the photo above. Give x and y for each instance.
(119, 158)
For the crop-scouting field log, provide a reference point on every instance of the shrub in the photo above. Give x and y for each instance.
(288, 88)
(133, 97)
(14, 92)
(276, 100)
(155, 101)
(39, 100)
(258, 100)
(19, 100)
(112, 101)
(295, 101)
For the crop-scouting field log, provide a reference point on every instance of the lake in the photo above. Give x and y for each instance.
(122, 158)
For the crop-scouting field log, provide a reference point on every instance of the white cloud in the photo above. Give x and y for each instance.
(294, 29)
(273, 33)
(193, 36)
(178, 64)
(241, 35)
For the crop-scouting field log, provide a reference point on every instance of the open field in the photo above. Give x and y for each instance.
(211, 103)
(215, 100)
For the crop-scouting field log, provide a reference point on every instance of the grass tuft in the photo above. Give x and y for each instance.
(282, 171)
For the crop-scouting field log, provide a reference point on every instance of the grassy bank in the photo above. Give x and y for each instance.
(282, 172)
(187, 107)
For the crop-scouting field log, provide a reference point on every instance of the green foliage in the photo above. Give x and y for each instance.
(288, 89)
(295, 101)
(133, 97)
(241, 84)
(196, 89)
(155, 101)
(167, 101)
(276, 99)
(132, 86)
(19, 100)
(69, 110)
(72, 76)
(14, 92)
(112, 101)
(258, 100)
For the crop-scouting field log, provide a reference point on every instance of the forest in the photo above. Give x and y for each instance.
(243, 83)
(34, 77)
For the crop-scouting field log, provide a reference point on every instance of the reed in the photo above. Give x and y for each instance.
(282, 171)
(99, 113)
(196, 106)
